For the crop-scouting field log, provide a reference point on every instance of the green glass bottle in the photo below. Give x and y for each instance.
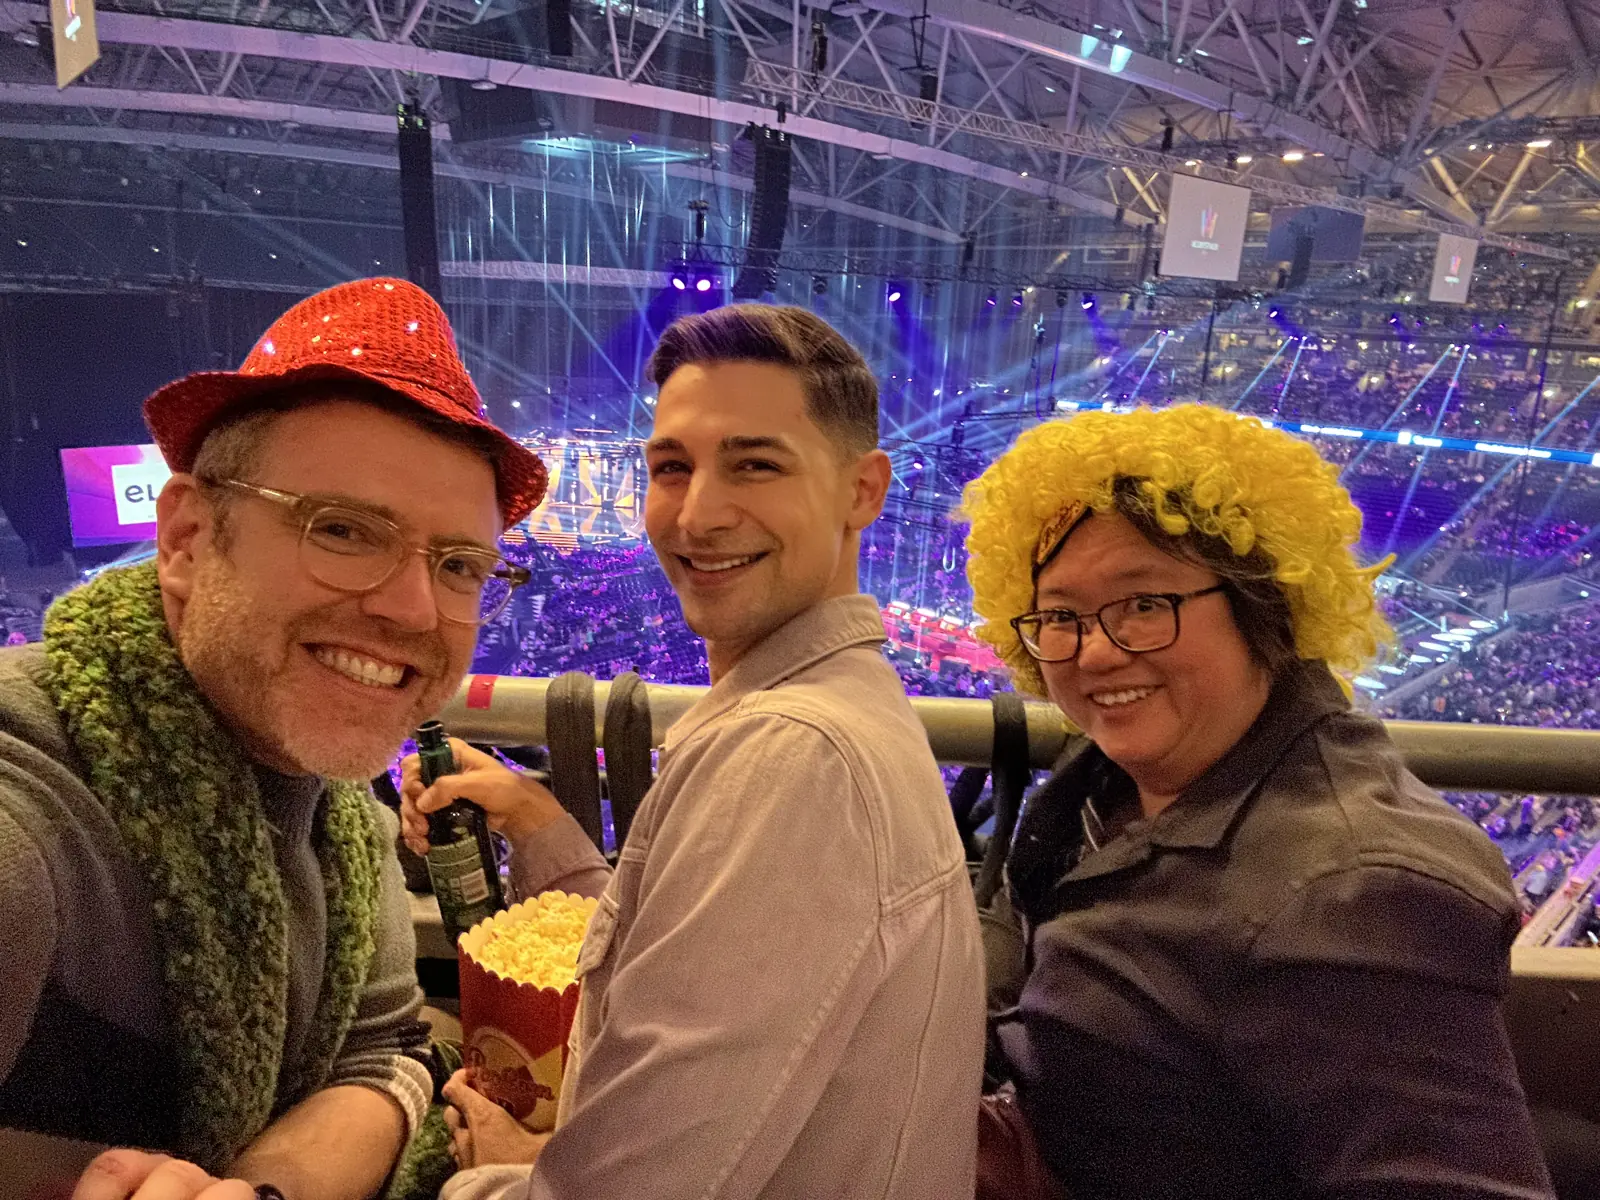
(461, 860)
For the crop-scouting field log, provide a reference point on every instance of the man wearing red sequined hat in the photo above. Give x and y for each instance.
(208, 947)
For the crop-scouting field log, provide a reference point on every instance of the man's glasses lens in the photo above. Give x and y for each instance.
(472, 587)
(355, 551)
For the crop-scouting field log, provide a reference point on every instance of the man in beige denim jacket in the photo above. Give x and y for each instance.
(783, 985)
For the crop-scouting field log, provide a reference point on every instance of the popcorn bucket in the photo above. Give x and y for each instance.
(518, 1000)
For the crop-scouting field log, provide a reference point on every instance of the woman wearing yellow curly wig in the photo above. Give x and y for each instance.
(1262, 959)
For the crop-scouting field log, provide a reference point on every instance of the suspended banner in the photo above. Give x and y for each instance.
(76, 44)
(1205, 229)
(1452, 269)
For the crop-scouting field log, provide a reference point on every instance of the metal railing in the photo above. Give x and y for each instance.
(509, 710)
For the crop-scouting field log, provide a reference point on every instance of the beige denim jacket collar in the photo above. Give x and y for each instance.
(819, 632)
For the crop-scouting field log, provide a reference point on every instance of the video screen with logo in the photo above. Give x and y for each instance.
(111, 492)
(76, 44)
(1452, 269)
(1205, 229)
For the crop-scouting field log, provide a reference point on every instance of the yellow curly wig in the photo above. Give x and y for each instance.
(1241, 481)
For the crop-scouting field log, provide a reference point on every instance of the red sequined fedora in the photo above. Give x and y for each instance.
(384, 331)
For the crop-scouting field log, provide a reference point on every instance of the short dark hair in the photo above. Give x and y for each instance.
(1260, 609)
(841, 391)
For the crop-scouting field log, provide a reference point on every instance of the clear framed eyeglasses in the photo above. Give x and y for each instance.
(354, 550)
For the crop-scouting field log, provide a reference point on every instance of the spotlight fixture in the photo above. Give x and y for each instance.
(1087, 303)
(1061, 298)
(1293, 156)
(991, 300)
(702, 285)
(895, 292)
(483, 85)
(679, 283)
(1274, 312)
(819, 285)
(1246, 158)
(1016, 300)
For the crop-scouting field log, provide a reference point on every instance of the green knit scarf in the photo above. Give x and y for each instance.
(185, 800)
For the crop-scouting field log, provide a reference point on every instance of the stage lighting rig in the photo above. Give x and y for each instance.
(695, 277)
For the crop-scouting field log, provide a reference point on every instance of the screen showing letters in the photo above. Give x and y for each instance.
(111, 492)
(1452, 269)
(1205, 229)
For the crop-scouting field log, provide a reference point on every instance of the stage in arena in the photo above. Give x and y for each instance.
(595, 497)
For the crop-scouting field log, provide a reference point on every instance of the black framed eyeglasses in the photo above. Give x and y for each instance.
(1138, 624)
(353, 550)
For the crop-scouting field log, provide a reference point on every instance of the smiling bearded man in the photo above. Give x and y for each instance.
(208, 945)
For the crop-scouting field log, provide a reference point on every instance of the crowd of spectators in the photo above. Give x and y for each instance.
(1544, 671)
(20, 619)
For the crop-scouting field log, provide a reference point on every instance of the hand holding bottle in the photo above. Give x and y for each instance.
(515, 804)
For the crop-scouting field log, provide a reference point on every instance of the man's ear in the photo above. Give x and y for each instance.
(184, 529)
(873, 475)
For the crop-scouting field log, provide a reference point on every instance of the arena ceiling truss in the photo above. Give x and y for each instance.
(944, 120)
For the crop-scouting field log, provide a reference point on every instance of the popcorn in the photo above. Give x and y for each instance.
(540, 946)
(519, 995)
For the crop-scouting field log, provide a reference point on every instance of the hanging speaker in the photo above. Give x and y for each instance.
(558, 27)
(1300, 261)
(769, 215)
(417, 218)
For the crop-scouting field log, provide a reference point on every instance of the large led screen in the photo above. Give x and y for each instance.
(1205, 229)
(76, 45)
(111, 492)
(1452, 269)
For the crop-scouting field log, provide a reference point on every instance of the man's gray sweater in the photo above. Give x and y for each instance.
(84, 1031)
